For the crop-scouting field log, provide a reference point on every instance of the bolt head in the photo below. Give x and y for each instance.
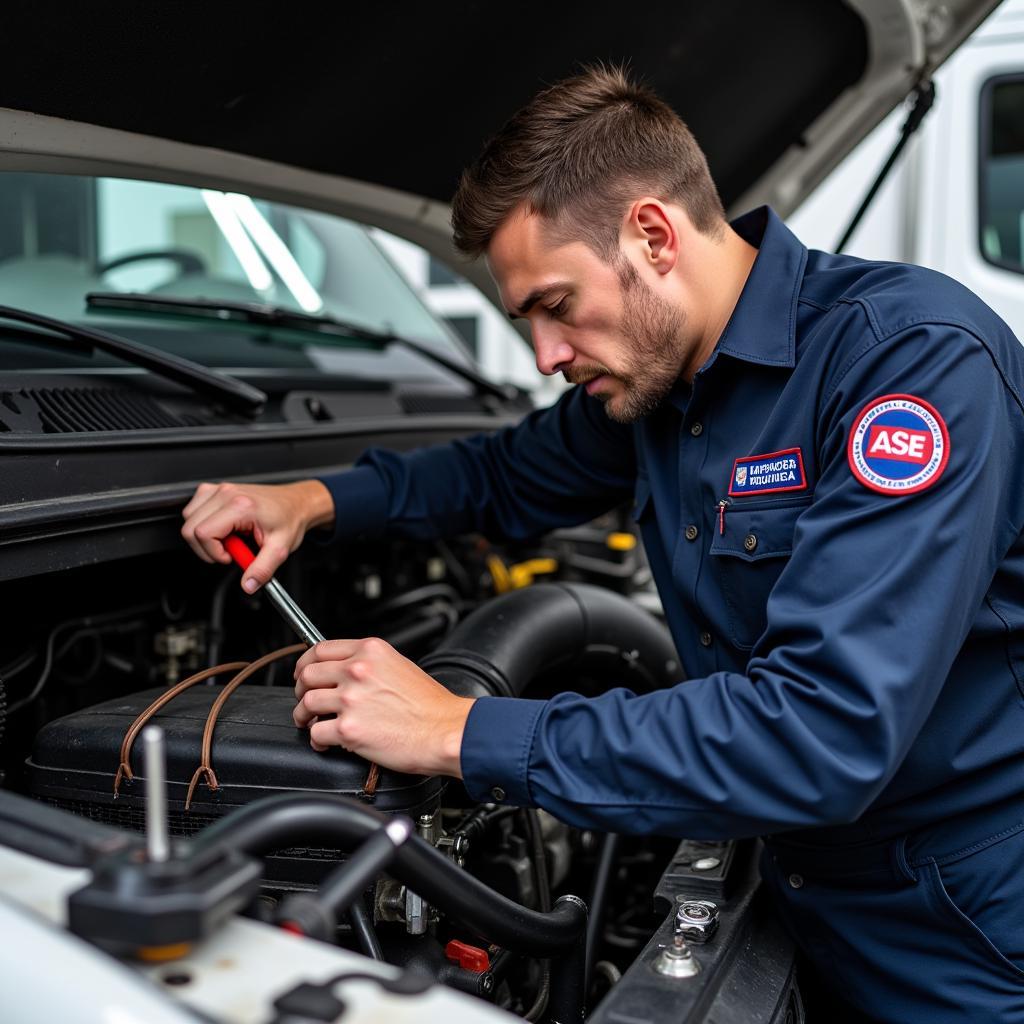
(697, 920)
(676, 961)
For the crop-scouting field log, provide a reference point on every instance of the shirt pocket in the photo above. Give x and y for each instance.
(752, 542)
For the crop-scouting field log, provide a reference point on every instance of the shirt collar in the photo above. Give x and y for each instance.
(762, 328)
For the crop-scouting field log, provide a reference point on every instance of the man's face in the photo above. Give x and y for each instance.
(599, 324)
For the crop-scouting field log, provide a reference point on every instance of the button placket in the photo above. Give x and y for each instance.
(689, 555)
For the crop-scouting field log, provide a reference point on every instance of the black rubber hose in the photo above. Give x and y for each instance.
(531, 820)
(599, 899)
(316, 913)
(291, 818)
(567, 1000)
(503, 645)
(421, 629)
(362, 928)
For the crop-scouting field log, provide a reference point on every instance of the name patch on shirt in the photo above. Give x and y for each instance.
(767, 474)
(898, 444)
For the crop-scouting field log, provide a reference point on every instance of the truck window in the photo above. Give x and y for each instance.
(1001, 178)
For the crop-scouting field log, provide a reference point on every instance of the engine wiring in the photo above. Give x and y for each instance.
(84, 624)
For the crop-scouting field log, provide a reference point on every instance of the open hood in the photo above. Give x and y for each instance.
(371, 110)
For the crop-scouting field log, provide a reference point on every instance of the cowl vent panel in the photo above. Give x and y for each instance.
(83, 410)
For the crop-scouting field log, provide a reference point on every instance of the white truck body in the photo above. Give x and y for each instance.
(933, 209)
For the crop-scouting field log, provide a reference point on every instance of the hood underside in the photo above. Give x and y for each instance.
(399, 97)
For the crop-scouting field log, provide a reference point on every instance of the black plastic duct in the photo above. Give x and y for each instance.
(575, 628)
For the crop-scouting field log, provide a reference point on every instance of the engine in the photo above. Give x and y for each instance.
(97, 666)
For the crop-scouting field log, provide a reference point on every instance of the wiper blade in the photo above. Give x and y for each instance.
(232, 392)
(279, 316)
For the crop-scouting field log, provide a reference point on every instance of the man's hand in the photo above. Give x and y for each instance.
(389, 710)
(278, 517)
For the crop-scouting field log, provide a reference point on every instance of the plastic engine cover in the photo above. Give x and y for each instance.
(256, 748)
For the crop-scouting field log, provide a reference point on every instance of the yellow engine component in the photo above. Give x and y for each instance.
(522, 574)
(620, 541)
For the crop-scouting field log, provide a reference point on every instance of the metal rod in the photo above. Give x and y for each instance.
(292, 613)
(158, 845)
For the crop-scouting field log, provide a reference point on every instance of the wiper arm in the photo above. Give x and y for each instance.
(235, 393)
(278, 316)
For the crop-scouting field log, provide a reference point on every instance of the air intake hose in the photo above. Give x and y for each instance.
(574, 627)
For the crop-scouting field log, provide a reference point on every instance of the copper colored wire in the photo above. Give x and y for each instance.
(370, 785)
(205, 765)
(124, 770)
(243, 671)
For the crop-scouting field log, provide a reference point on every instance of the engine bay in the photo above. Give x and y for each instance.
(86, 654)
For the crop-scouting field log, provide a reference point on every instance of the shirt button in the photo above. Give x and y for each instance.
(697, 429)
(750, 542)
(691, 532)
(498, 793)
(705, 639)
(796, 881)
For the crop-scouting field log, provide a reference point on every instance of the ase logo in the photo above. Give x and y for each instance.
(741, 475)
(898, 444)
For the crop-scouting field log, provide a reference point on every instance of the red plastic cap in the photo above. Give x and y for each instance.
(471, 958)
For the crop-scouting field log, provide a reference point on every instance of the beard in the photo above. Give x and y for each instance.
(654, 357)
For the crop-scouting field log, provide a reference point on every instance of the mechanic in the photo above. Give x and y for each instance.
(826, 460)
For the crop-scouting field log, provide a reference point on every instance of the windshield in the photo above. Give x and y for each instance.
(62, 237)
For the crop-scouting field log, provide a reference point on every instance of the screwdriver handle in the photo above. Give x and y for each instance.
(239, 551)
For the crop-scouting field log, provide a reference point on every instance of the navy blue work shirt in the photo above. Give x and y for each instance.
(833, 515)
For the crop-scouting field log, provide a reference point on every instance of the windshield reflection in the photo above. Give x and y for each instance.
(63, 236)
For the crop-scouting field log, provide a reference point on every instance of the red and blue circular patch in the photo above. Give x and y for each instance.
(898, 444)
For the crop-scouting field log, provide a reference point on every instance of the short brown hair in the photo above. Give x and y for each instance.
(585, 147)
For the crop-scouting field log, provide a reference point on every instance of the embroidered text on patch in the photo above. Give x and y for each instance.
(898, 444)
(767, 474)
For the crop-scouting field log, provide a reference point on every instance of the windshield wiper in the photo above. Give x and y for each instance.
(278, 316)
(232, 392)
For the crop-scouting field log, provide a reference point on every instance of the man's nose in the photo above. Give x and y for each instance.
(551, 351)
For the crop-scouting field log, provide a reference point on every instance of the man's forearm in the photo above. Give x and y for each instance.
(316, 502)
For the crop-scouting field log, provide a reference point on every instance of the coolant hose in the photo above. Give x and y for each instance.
(503, 645)
(292, 818)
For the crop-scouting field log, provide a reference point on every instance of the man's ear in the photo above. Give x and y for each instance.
(649, 227)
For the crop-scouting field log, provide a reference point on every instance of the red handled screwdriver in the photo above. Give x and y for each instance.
(290, 611)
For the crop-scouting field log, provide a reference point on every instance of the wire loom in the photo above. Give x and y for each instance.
(243, 670)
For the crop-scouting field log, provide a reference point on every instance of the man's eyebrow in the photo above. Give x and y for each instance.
(534, 297)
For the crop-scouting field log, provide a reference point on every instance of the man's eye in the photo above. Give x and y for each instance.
(559, 309)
